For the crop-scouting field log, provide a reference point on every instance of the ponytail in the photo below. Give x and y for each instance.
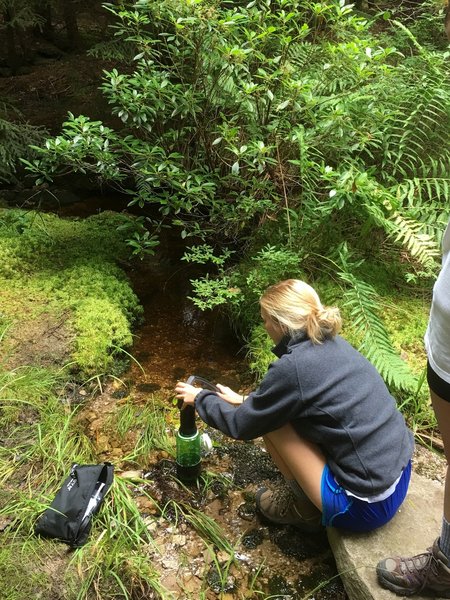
(323, 323)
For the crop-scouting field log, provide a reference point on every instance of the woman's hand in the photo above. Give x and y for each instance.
(186, 392)
(229, 395)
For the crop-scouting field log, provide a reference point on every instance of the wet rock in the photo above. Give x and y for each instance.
(297, 544)
(278, 587)
(120, 394)
(334, 590)
(252, 538)
(219, 487)
(250, 464)
(148, 388)
(220, 582)
(247, 511)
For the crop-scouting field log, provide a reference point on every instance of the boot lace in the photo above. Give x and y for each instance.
(420, 569)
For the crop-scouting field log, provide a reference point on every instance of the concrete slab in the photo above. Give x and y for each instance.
(411, 531)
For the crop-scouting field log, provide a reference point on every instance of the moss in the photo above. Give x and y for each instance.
(103, 329)
(406, 320)
(66, 268)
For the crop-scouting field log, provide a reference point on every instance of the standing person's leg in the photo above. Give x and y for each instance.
(442, 410)
(298, 500)
(428, 572)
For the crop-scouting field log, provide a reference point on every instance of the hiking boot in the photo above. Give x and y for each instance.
(426, 574)
(283, 507)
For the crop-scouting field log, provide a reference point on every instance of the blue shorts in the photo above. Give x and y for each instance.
(347, 512)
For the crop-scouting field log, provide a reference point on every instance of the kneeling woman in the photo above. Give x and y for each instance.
(327, 419)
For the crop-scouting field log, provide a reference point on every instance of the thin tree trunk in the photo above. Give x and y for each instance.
(46, 12)
(447, 21)
(70, 19)
(11, 52)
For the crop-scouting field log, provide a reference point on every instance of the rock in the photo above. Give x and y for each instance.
(170, 563)
(223, 557)
(130, 474)
(179, 540)
(410, 532)
(102, 444)
(146, 505)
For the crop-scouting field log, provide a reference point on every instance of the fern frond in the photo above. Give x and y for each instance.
(360, 299)
(420, 245)
(420, 123)
(304, 54)
(417, 190)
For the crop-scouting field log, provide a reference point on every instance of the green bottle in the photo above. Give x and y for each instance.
(188, 446)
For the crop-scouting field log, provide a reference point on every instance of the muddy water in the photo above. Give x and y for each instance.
(175, 341)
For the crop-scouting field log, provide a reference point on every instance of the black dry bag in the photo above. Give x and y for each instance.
(69, 516)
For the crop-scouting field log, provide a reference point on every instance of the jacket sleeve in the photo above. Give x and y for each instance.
(276, 402)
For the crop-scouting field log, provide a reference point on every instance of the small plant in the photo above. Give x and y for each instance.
(115, 556)
(16, 135)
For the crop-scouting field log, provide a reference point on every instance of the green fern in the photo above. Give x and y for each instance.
(420, 245)
(360, 299)
(422, 121)
(404, 227)
(421, 191)
(15, 137)
(303, 54)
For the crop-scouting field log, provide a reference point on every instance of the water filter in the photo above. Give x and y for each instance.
(189, 445)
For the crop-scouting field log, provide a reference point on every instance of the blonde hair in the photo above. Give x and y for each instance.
(295, 306)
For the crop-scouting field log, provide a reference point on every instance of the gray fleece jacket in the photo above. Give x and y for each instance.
(333, 396)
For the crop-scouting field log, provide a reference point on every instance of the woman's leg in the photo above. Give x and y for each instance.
(442, 410)
(297, 459)
(428, 572)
